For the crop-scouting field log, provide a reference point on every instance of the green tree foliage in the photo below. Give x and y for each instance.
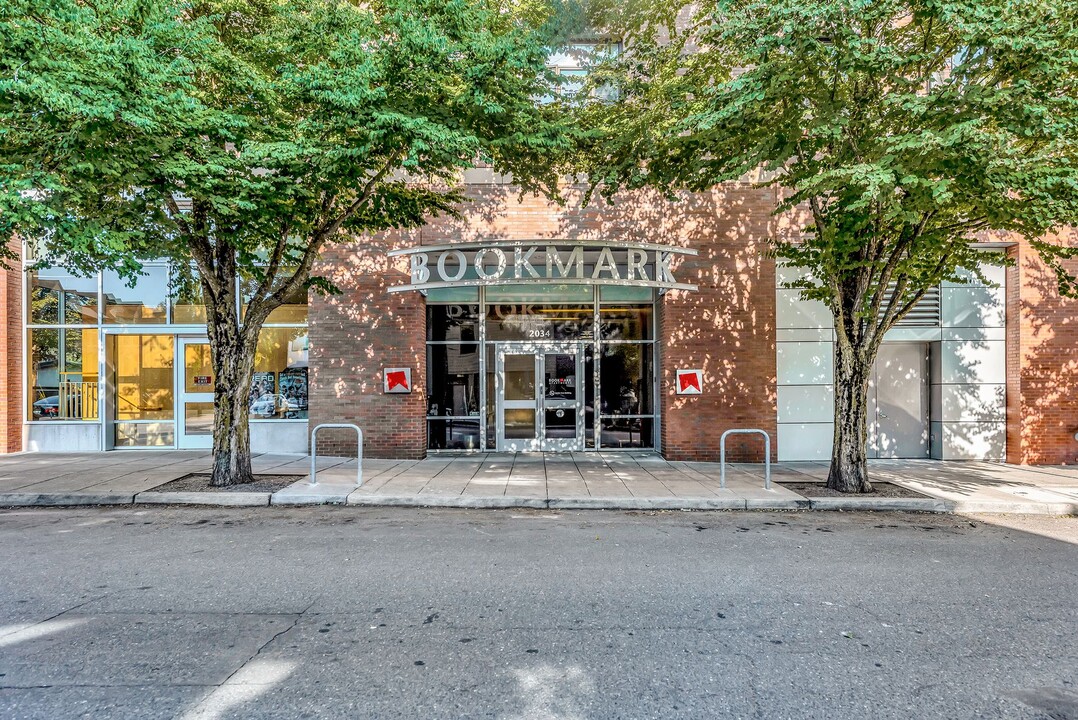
(244, 135)
(903, 128)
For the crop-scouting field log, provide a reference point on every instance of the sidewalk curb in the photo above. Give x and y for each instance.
(447, 501)
(1002, 507)
(222, 499)
(17, 499)
(932, 505)
(357, 499)
(634, 503)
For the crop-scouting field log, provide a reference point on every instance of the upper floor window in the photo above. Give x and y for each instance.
(573, 61)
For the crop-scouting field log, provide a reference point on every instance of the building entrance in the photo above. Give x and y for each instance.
(540, 398)
(899, 402)
(194, 429)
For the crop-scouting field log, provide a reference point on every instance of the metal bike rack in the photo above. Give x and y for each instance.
(359, 449)
(767, 454)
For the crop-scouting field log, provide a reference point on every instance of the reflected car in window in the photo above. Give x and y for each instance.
(47, 408)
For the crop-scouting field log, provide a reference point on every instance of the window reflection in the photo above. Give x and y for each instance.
(626, 322)
(292, 312)
(63, 380)
(453, 323)
(142, 304)
(453, 434)
(58, 297)
(142, 376)
(188, 300)
(527, 321)
(279, 385)
(453, 379)
(625, 377)
(627, 433)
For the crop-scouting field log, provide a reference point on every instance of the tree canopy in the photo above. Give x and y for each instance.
(904, 129)
(144, 129)
(241, 136)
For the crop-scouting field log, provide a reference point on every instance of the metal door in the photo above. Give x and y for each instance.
(539, 398)
(562, 401)
(195, 381)
(517, 383)
(899, 397)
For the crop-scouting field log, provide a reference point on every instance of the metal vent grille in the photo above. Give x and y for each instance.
(925, 313)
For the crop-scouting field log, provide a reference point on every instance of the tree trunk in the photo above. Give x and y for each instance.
(232, 352)
(849, 466)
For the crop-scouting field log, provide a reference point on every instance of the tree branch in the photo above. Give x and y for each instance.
(368, 190)
(177, 216)
(257, 312)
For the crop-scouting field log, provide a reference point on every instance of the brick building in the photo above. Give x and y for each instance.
(527, 325)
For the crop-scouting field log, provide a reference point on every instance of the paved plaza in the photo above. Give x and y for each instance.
(537, 480)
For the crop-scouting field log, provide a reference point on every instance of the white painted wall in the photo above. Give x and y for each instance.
(279, 436)
(63, 437)
(968, 373)
(805, 361)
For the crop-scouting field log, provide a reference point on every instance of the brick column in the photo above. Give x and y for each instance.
(726, 328)
(11, 401)
(1042, 362)
(354, 336)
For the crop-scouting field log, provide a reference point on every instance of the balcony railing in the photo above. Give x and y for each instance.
(77, 401)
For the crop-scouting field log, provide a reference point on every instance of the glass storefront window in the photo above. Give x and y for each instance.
(197, 368)
(589, 398)
(188, 302)
(453, 323)
(527, 321)
(63, 381)
(453, 380)
(548, 292)
(143, 304)
(626, 322)
(279, 386)
(142, 368)
(459, 295)
(453, 434)
(58, 297)
(626, 293)
(627, 432)
(292, 312)
(625, 377)
(153, 434)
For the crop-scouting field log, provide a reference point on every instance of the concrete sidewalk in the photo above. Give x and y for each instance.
(628, 481)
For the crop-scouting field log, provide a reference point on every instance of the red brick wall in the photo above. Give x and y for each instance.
(354, 336)
(1042, 365)
(727, 328)
(11, 355)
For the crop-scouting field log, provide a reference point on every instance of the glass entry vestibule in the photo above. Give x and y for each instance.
(550, 368)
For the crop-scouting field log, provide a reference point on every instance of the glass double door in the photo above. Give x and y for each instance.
(540, 398)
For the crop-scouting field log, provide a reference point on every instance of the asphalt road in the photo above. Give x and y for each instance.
(347, 612)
